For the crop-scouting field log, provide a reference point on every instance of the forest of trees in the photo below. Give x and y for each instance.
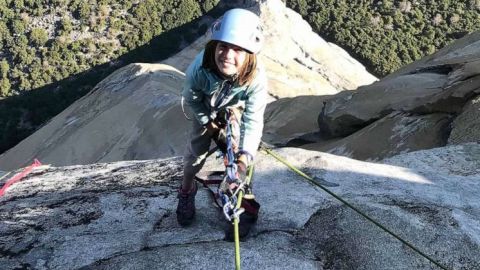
(42, 41)
(385, 35)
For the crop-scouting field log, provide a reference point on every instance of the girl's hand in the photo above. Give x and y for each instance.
(242, 162)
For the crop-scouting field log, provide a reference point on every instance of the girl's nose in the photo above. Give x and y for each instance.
(229, 52)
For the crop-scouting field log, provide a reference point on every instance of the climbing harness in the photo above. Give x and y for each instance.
(311, 180)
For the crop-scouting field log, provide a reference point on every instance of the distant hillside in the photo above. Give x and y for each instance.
(46, 41)
(53, 52)
(386, 35)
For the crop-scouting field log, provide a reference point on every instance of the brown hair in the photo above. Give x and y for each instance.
(247, 72)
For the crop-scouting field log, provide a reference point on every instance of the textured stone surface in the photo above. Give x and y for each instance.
(291, 119)
(442, 82)
(466, 127)
(133, 114)
(299, 62)
(394, 134)
(121, 215)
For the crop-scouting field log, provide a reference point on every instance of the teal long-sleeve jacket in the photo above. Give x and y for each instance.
(201, 85)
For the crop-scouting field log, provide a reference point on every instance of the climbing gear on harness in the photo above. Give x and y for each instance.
(219, 98)
(232, 183)
(239, 27)
(209, 178)
(186, 206)
(233, 186)
(267, 149)
(227, 122)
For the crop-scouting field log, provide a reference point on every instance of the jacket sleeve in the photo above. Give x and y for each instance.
(193, 90)
(252, 119)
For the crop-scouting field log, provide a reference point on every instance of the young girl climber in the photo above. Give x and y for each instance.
(225, 79)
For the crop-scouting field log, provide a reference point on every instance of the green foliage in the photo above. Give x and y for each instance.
(180, 12)
(4, 68)
(18, 26)
(385, 35)
(209, 4)
(18, 4)
(61, 62)
(4, 33)
(66, 26)
(83, 11)
(4, 87)
(38, 36)
(124, 24)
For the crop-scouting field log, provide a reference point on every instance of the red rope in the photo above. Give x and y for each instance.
(17, 177)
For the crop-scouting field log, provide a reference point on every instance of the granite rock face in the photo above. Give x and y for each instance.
(440, 83)
(393, 134)
(466, 127)
(423, 105)
(121, 215)
(135, 113)
(291, 120)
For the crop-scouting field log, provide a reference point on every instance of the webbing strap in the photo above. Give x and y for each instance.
(376, 223)
(206, 184)
(17, 177)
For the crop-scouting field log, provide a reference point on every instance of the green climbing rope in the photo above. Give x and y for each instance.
(310, 180)
(236, 219)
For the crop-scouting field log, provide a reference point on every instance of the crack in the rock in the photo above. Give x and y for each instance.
(145, 248)
(8, 253)
(439, 69)
(167, 214)
(291, 232)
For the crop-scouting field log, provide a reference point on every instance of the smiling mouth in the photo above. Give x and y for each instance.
(227, 63)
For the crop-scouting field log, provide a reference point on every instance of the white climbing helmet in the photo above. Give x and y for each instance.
(239, 27)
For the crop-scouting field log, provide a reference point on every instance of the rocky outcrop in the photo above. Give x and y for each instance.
(299, 62)
(122, 215)
(133, 114)
(394, 134)
(466, 127)
(292, 120)
(440, 83)
(414, 108)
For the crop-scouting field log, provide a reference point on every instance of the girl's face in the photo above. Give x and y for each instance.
(229, 58)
